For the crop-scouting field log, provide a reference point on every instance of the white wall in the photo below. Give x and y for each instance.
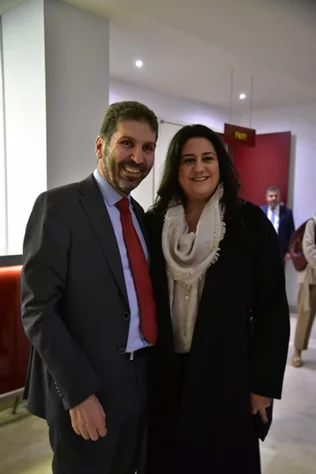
(77, 89)
(56, 91)
(3, 193)
(25, 114)
(169, 109)
(301, 121)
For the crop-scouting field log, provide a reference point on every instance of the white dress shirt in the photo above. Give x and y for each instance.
(274, 217)
(111, 197)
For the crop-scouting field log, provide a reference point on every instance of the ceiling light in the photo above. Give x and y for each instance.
(242, 96)
(139, 63)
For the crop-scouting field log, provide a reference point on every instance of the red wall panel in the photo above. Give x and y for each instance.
(263, 165)
(14, 346)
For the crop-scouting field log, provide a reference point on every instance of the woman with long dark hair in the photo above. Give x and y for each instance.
(222, 313)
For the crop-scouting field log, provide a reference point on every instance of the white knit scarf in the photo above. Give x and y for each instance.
(188, 256)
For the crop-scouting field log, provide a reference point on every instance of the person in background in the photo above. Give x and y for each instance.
(215, 260)
(88, 306)
(281, 218)
(306, 306)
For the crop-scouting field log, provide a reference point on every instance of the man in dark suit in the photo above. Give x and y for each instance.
(281, 217)
(87, 304)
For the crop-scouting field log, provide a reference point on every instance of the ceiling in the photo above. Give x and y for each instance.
(189, 48)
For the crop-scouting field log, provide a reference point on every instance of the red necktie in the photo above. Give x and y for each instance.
(140, 272)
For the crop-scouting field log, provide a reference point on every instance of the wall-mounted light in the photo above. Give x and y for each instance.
(139, 63)
(242, 96)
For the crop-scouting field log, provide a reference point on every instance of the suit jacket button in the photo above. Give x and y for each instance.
(122, 351)
(126, 316)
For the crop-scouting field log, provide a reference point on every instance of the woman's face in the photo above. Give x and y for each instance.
(199, 170)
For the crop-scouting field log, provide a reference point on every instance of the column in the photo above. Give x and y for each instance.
(3, 194)
(56, 90)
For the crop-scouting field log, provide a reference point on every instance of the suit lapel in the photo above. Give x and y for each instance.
(281, 218)
(96, 212)
(140, 217)
(282, 212)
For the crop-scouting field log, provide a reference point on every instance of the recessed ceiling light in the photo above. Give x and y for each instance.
(139, 63)
(242, 96)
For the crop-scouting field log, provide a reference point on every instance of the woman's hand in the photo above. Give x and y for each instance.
(259, 405)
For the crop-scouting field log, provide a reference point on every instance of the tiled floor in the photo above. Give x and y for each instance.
(291, 445)
(289, 449)
(24, 447)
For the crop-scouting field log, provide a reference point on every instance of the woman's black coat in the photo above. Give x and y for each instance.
(213, 431)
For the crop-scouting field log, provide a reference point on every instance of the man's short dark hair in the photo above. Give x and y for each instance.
(127, 110)
(273, 189)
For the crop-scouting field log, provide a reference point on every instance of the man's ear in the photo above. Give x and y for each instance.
(99, 147)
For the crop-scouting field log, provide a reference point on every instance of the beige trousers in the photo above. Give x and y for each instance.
(305, 319)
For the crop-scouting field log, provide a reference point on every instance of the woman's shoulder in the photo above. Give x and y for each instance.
(257, 225)
(309, 230)
(310, 224)
(254, 215)
(253, 209)
(152, 215)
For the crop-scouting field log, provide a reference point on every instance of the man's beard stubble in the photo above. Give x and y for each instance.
(111, 171)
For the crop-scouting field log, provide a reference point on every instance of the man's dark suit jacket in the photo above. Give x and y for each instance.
(75, 308)
(286, 227)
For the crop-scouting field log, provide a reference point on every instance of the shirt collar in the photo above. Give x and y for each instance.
(110, 195)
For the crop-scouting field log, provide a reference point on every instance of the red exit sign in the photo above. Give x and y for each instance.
(234, 134)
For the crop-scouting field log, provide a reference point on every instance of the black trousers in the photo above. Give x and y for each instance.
(120, 451)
